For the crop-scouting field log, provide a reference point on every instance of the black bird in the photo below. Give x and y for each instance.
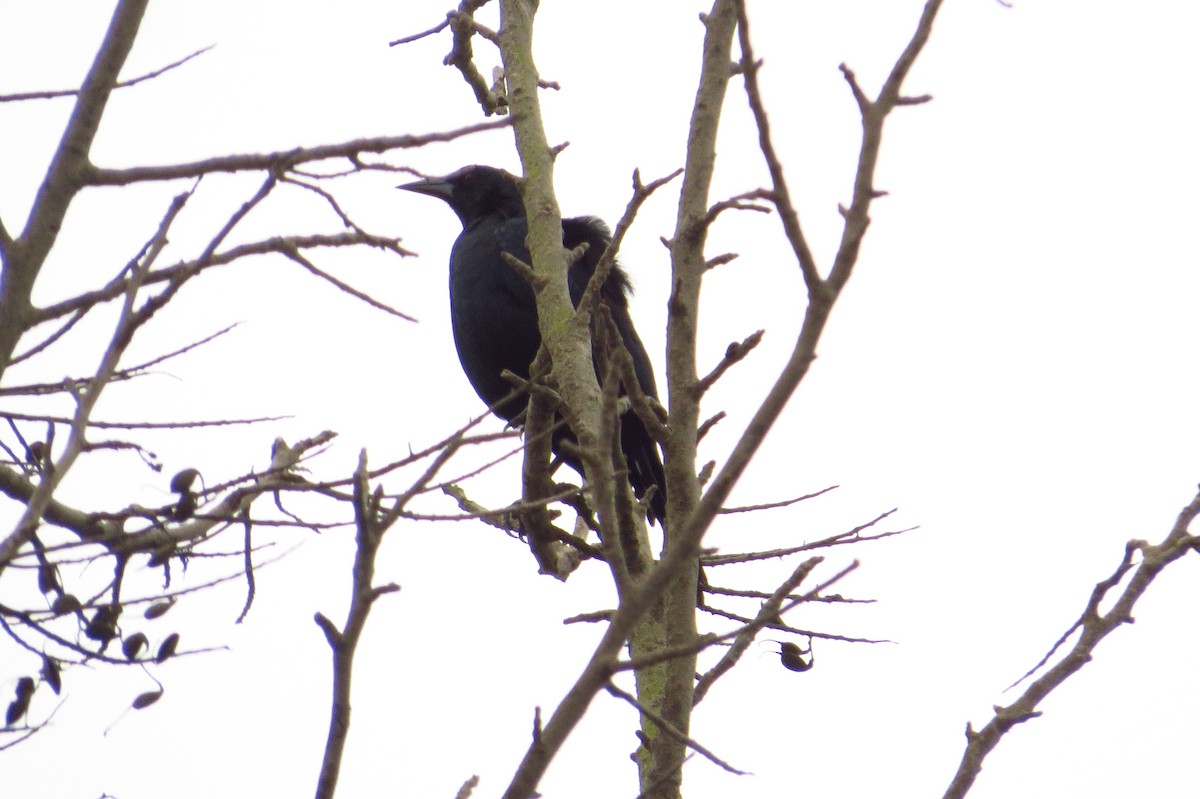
(494, 314)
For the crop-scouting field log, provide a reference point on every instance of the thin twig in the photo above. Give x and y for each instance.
(850, 536)
(780, 504)
(670, 729)
(46, 95)
(278, 245)
(281, 160)
(298, 257)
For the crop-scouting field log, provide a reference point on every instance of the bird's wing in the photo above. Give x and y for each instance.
(593, 231)
(492, 310)
(615, 291)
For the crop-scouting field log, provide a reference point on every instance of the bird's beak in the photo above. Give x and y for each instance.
(434, 187)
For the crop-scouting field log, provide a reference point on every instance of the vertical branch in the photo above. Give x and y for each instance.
(780, 195)
(24, 256)
(344, 642)
(668, 686)
(567, 338)
(658, 612)
(552, 556)
(873, 116)
(569, 344)
(688, 263)
(569, 347)
(823, 293)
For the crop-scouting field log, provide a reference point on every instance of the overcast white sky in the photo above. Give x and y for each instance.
(1013, 366)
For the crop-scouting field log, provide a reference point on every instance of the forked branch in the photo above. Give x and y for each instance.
(1092, 627)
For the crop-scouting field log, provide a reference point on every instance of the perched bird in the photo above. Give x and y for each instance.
(494, 314)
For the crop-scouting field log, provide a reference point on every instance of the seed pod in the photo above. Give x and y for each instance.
(19, 706)
(181, 483)
(147, 699)
(134, 644)
(52, 673)
(159, 608)
(167, 647)
(103, 626)
(64, 604)
(792, 656)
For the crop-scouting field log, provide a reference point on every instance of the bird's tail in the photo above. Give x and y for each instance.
(645, 465)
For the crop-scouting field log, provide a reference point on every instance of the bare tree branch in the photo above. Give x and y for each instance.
(65, 177)
(462, 56)
(280, 160)
(49, 94)
(771, 611)
(344, 642)
(294, 254)
(851, 536)
(280, 245)
(822, 294)
(111, 425)
(781, 504)
(1093, 627)
(130, 320)
(670, 729)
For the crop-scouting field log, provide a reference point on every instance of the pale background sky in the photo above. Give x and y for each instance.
(1013, 366)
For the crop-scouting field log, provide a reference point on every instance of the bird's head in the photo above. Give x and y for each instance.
(474, 192)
